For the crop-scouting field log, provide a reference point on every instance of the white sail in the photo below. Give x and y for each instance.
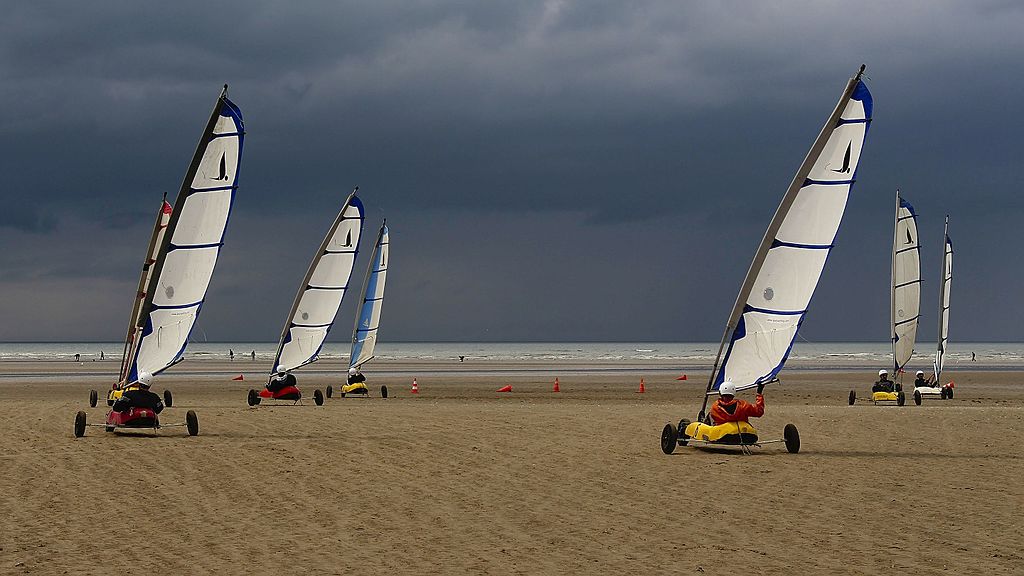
(775, 294)
(905, 296)
(364, 334)
(191, 244)
(944, 286)
(322, 290)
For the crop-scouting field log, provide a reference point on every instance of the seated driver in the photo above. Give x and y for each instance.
(355, 376)
(281, 380)
(922, 382)
(729, 408)
(140, 397)
(883, 384)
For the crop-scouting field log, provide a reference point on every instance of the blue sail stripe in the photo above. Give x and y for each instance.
(809, 182)
(749, 308)
(176, 306)
(780, 243)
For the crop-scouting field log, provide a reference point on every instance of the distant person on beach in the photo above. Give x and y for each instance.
(729, 408)
(78, 357)
(231, 354)
(973, 357)
(140, 397)
(281, 380)
(355, 376)
(462, 358)
(101, 354)
(253, 354)
(883, 384)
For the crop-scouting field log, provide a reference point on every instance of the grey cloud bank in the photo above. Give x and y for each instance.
(550, 170)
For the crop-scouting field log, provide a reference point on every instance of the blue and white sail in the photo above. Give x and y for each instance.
(944, 287)
(775, 294)
(322, 290)
(905, 296)
(364, 334)
(191, 244)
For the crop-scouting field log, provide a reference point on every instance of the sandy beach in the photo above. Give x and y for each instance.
(461, 479)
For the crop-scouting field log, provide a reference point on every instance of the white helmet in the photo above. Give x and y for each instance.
(727, 389)
(281, 370)
(920, 372)
(352, 371)
(883, 372)
(145, 379)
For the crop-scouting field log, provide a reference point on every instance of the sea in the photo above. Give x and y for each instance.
(805, 355)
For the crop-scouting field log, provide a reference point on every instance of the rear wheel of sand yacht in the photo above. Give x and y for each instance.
(168, 399)
(669, 437)
(681, 431)
(792, 437)
(383, 391)
(192, 423)
(254, 398)
(93, 398)
(853, 397)
(80, 424)
(318, 397)
(330, 391)
(901, 399)
(917, 397)
(949, 394)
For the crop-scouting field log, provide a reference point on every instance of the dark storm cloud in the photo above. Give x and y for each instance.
(551, 170)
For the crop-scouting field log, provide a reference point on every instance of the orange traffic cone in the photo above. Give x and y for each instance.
(505, 388)
(555, 389)
(239, 377)
(683, 377)
(415, 387)
(641, 390)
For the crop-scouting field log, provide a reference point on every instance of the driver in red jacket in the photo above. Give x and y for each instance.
(729, 408)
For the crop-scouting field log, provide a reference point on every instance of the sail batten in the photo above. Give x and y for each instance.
(774, 297)
(189, 247)
(364, 333)
(322, 289)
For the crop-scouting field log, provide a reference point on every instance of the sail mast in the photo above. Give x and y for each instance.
(892, 286)
(798, 182)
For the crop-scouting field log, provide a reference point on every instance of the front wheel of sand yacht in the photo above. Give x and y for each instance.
(254, 398)
(168, 399)
(80, 424)
(669, 438)
(318, 397)
(330, 391)
(792, 437)
(383, 391)
(901, 398)
(917, 397)
(191, 423)
(853, 397)
(93, 398)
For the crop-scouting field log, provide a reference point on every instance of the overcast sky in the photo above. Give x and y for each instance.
(549, 170)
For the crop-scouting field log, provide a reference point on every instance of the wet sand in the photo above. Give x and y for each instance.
(461, 479)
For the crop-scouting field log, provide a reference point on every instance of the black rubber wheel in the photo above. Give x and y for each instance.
(792, 436)
(330, 391)
(901, 399)
(168, 399)
(110, 402)
(899, 387)
(383, 391)
(253, 398)
(853, 397)
(318, 397)
(192, 423)
(949, 394)
(668, 438)
(80, 423)
(917, 397)
(108, 428)
(682, 437)
(93, 398)
(342, 394)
